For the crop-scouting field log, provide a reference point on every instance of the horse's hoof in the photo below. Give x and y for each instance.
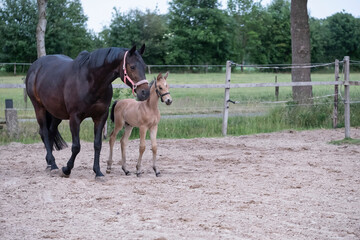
(138, 174)
(48, 168)
(54, 172)
(100, 179)
(158, 174)
(127, 173)
(108, 170)
(62, 174)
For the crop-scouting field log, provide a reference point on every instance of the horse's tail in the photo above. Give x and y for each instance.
(59, 142)
(112, 112)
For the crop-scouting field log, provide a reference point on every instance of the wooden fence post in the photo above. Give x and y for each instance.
(276, 90)
(336, 95)
(11, 118)
(347, 95)
(226, 98)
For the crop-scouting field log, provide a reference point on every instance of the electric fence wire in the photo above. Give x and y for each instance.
(296, 66)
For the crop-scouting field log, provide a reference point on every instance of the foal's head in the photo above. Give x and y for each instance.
(162, 88)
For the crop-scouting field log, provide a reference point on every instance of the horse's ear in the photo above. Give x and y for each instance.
(166, 75)
(132, 50)
(159, 76)
(142, 49)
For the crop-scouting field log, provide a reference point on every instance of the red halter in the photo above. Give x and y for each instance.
(126, 77)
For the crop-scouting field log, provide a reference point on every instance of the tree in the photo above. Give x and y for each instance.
(277, 38)
(318, 40)
(300, 43)
(66, 31)
(41, 28)
(136, 28)
(199, 33)
(17, 30)
(342, 36)
(249, 22)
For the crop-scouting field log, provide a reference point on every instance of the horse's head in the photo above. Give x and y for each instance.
(134, 73)
(162, 88)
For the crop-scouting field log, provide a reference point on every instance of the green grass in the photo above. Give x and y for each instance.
(346, 141)
(268, 115)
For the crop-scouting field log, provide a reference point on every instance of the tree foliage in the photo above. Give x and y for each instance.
(18, 20)
(193, 32)
(199, 33)
(137, 28)
(66, 29)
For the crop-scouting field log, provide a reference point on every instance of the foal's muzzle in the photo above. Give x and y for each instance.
(168, 101)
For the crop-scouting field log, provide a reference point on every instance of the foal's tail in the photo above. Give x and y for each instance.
(112, 111)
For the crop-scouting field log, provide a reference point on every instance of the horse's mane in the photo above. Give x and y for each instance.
(98, 57)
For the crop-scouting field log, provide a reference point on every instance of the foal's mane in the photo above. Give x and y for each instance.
(152, 82)
(98, 57)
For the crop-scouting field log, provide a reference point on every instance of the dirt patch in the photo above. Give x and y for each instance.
(287, 185)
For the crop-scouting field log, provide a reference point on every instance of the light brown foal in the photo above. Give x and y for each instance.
(145, 115)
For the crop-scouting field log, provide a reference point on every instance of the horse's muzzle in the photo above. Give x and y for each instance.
(142, 93)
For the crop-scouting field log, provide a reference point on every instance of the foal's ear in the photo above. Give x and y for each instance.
(132, 50)
(142, 49)
(166, 75)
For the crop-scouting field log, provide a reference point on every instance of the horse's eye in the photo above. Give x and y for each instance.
(132, 67)
(160, 88)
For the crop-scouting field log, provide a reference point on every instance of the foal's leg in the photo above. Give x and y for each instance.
(142, 131)
(124, 140)
(112, 140)
(75, 149)
(153, 132)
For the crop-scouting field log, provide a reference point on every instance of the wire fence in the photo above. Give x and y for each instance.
(244, 102)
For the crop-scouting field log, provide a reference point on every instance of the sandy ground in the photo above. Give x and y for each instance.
(287, 185)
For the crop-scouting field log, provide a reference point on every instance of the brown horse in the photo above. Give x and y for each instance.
(62, 88)
(144, 115)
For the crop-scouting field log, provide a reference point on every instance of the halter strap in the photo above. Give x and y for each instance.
(126, 77)
(159, 94)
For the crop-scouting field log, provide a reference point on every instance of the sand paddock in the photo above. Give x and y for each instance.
(286, 185)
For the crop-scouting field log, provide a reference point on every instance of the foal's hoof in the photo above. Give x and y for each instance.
(138, 174)
(108, 170)
(158, 174)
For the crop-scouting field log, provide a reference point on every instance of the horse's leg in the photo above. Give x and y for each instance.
(98, 127)
(53, 128)
(112, 140)
(44, 133)
(153, 132)
(124, 140)
(75, 148)
(142, 131)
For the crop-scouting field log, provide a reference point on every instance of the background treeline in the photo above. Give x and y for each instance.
(193, 32)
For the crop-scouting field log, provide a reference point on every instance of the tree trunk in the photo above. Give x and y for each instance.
(41, 28)
(300, 44)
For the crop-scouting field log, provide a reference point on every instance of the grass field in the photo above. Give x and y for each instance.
(257, 110)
